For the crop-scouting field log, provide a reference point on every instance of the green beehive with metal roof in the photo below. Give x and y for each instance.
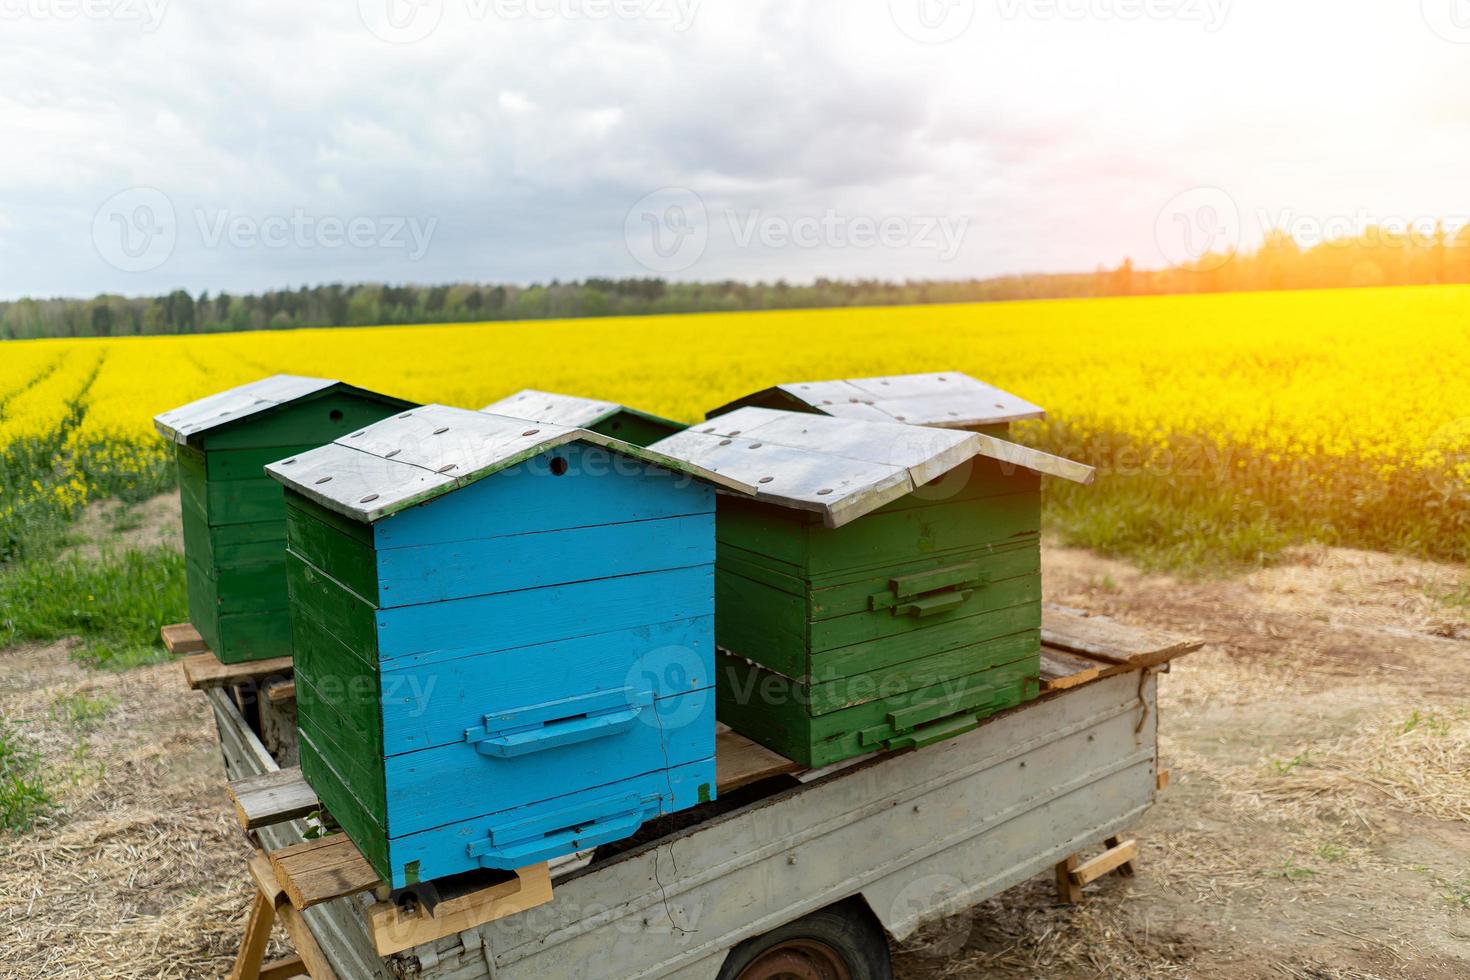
(883, 590)
(605, 418)
(234, 515)
(944, 399)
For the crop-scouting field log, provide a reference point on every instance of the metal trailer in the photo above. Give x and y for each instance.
(891, 843)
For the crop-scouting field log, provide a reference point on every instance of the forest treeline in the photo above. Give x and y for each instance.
(1374, 258)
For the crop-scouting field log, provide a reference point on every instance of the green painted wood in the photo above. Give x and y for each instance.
(250, 587)
(359, 532)
(978, 602)
(941, 638)
(757, 704)
(338, 609)
(635, 428)
(776, 533)
(350, 813)
(882, 538)
(359, 767)
(245, 502)
(346, 557)
(203, 606)
(253, 636)
(224, 465)
(311, 421)
(844, 691)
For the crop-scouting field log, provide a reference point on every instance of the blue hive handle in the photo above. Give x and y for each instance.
(561, 832)
(553, 724)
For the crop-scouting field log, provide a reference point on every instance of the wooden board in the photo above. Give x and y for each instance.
(317, 871)
(394, 929)
(203, 670)
(1061, 670)
(182, 638)
(272, 798)
(1102, 638)
(740, 762)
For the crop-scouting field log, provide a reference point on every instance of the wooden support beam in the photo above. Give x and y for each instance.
(395, 929)
(272, 798)
(1102, 638)
(1114, 857)
(257, 935)
(1125, 869)
(284, 691)
(740, 762)
(283, 969)
(1061, 670)
(182, 638)
(203, 670)
(1068, 891)
(317, 871)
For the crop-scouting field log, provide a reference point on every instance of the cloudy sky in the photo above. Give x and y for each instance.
(155, 144)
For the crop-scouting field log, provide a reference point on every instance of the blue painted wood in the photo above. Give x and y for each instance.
(598, 488)
(499, 839)
(435, 704)
(459, 569)
(448, 783)
(438, 631)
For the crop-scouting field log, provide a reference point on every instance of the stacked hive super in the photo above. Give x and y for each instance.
(883, 589)
(234, 516)
(504, 637)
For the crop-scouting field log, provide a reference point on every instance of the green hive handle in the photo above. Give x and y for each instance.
(939, 590)
(935, 731)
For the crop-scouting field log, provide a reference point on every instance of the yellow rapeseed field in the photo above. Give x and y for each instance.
(1346, 412)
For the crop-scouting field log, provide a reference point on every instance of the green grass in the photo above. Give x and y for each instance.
(23, 797)
(1162, 527)
(81, 710)
(114, 602)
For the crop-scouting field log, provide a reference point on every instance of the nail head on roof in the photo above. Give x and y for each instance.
(754, 445)
(530, 432)
(735, 433)
(324, 479)
(441, 430)
(288, 462)
(724, 442)
(368, 499)
(405, 415)
(356, 435)
(392, 453)
(767, 479)
(447, 467)
(824, 491)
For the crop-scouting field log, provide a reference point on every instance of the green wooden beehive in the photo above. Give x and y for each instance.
(883, 590)
(944, 399)
(605, 418)
(234, 514)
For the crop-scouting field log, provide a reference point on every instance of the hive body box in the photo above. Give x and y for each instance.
(884, 589)
(233, 514)
(607, 418)
(504, 645)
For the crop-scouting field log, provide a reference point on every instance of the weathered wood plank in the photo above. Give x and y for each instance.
(317, 871)
(1061, 670)
(1103, 638)
(204, 670)
(740, 762)
(182, 638)
(272, 798)
(1111, 859)
(394, 929)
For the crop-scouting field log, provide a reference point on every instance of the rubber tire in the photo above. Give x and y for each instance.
(848, 927)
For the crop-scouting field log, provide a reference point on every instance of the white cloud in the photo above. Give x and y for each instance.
(526, 129)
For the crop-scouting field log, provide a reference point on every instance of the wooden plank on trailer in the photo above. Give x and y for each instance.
(204, 670)
(182, 638)
(740, 762)
(317, 871)
(272, 798)
(1103, 638)
(394, 929)
(1061, 670)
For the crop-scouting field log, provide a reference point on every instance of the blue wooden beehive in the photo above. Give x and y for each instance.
(504, 636)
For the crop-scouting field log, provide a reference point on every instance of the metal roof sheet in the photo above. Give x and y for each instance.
(424, 452)
(226, 407)
(839, 467)
(549, 406)
(947, 399)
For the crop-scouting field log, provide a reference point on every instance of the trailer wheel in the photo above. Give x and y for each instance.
(840, 942)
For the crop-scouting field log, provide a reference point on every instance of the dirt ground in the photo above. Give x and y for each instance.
(1317, 824)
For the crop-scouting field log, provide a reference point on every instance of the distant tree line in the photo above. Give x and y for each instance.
(1375, 258)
